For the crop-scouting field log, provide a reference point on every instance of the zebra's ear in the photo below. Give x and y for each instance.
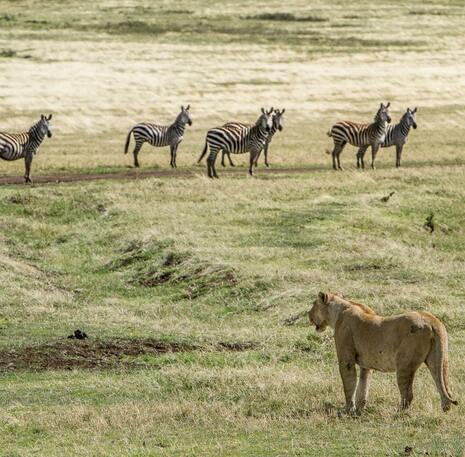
(388, 105)
(42, 116)
(188, 106)
(323, 297)
(284, 109)
(263, 110)
(414, 110)
(182, 107)
(271, 110)
(49, 117)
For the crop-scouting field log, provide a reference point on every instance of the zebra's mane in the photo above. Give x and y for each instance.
(36, 126)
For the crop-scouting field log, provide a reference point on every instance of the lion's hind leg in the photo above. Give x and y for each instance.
(411, 354)
(361, 396)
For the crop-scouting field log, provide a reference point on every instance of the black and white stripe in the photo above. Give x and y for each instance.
(397, 135)
(160, 135)
(237, 138)
(14, 146)
(361, 135)
(277, 125)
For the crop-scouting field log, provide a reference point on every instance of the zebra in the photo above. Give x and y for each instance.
(237, 139)
(278, 124)
(14, 146)
(396, 135)
(361, 135)
(160, 135)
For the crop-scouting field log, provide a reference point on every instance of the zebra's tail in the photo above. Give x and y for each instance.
(330, 134)
(203, 152)
(128, 139)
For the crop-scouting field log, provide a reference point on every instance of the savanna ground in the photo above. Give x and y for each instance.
(193, 292)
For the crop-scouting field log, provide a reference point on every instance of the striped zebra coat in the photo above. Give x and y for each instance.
(361, 135)
(397, 135)
(14, 146)
(237, 138)
(277, 125)
(160, 135)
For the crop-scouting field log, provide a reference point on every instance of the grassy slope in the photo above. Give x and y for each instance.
(77, 250)
(238, 258)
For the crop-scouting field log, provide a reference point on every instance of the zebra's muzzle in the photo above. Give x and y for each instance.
(388, 119)
(49, 134)
(414, 125)
(190, 122)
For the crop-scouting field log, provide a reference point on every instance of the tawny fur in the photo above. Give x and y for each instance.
(398, 343)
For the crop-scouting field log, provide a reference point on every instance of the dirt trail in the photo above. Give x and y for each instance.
(133, 174)
(139, 174)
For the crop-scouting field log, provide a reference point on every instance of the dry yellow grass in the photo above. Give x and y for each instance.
(77, 255)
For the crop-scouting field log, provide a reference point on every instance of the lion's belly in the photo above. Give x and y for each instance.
(379, 360)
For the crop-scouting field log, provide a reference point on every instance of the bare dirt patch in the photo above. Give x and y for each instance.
(134, 175)
(99, 354)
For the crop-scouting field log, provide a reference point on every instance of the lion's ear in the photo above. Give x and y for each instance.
(323, 297)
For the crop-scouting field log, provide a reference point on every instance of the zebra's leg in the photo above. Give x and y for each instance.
(338, 147)
(360, 155)
(230, 161)
(265, 152)
(338, 157)
(362, 158)
(175, 153)
(136, 152)
(257, 157)
(399, 148)
(211, 163)
(228, 154)
(172, 156)
(253, 158)
(27, 163)
(374, 151)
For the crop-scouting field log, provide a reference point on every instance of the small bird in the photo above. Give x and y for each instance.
(387, 197)
(78, 335)
(429, 224)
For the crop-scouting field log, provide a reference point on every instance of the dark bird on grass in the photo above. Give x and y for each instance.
(387, 197)
(78, 335)
(429, 224)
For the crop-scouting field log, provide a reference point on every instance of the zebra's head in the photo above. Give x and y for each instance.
(383, 113)
(45, 126)
(265, 121)
(278, 121)
(410, 117)
(184, 117)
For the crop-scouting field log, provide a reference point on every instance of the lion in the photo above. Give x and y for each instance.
(398, 343)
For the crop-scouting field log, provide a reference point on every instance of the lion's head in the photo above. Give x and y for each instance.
(319, 314)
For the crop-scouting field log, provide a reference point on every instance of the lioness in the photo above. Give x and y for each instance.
(399, 343)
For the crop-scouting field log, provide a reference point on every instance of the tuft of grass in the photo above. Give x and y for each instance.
(6, 53)
(285, 17)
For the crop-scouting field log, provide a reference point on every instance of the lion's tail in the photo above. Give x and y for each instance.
(438, 363)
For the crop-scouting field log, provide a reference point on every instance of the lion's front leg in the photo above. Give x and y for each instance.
(349, 381)
(361, 396)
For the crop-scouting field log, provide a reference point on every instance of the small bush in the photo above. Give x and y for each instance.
(285, 17)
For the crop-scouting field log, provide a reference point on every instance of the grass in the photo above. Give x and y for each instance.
(96, 257)
(194, 293)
